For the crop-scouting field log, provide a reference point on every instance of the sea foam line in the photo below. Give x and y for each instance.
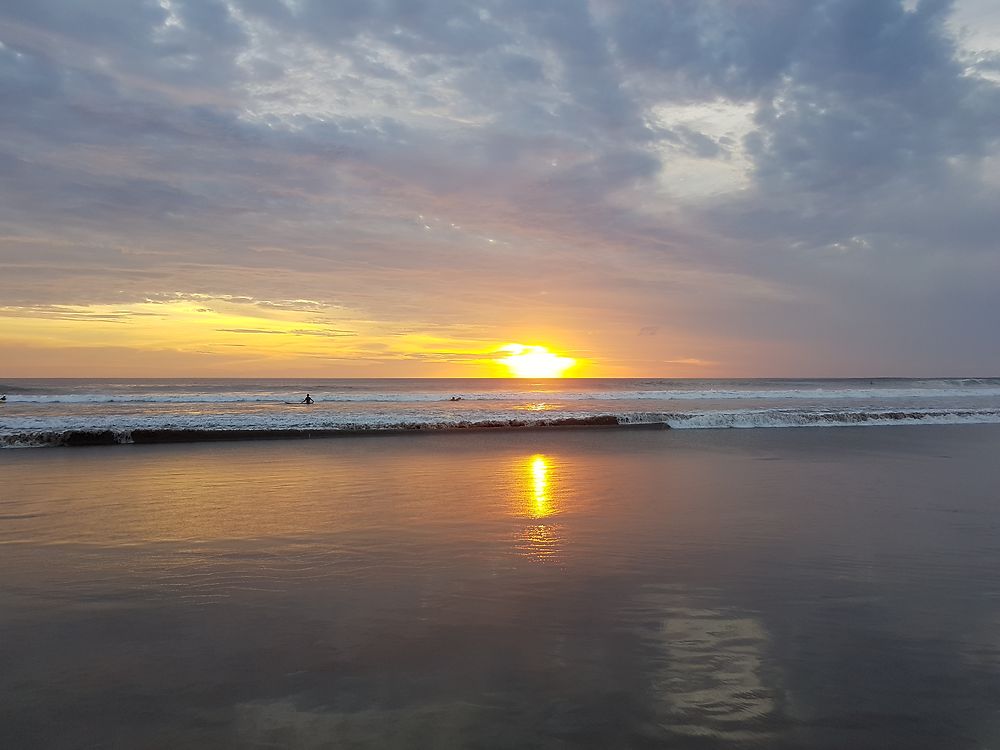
(149, 432)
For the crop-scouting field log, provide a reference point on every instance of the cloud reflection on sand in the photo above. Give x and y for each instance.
(710, 676)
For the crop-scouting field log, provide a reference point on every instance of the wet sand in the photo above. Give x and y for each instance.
(815, 588)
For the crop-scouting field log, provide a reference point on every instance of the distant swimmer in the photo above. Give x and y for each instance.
(3, 398)
(308, 399)
(455, 398)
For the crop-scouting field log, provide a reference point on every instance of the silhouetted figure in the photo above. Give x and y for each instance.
(455, 398)
(308, 399)
(3, 397)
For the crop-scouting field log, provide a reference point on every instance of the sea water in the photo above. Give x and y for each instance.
(768, 589)
(54, 412)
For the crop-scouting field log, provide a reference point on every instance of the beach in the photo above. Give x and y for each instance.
(499, 375)
(807, 588)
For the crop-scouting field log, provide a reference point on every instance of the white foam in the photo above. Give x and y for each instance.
(49, 430)
(752, 418)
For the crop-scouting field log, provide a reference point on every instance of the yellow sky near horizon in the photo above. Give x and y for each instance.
(227, 338)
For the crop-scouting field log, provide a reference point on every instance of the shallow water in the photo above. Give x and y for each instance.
(778, 588)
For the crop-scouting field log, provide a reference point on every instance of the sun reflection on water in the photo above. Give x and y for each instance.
(536, 406)
(539, 540)
(542, 502)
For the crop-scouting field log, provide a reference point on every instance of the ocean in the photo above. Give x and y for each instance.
(71, 411)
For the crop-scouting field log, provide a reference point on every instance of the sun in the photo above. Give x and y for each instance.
(531, 361)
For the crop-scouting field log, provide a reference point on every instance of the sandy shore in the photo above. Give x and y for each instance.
(781, 588)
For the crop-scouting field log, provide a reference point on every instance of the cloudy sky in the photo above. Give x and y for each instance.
(341, 188)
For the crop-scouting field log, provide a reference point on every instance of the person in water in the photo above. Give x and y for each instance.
(308, 399)
(3, 397)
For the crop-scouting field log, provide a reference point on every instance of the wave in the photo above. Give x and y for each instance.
(746, 418)
(759, 394)
(77, 437)
(751, 418)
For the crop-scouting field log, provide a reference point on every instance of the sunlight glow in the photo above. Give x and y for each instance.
(176, 333)
(539, 473)
(532, 361)
(539, 539)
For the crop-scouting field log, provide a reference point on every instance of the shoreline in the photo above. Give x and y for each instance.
(88, 438)
(169, 436)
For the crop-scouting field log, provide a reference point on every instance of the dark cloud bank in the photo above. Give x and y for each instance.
(388, 140)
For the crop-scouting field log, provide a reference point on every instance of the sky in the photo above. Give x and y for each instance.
(402, 188)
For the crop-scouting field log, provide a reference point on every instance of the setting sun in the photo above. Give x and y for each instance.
(534, 362)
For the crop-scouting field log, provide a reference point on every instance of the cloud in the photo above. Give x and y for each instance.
(637, 157)
(64, 312)
(291, 332)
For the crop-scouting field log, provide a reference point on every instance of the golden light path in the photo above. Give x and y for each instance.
(533, 361)
(539, 538)
(542, 505)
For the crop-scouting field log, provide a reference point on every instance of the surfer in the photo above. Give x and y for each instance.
(308, 399)
(455, 398)
(3, 397)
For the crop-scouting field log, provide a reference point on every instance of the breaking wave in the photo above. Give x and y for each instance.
(750, 418)
(244, 429)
